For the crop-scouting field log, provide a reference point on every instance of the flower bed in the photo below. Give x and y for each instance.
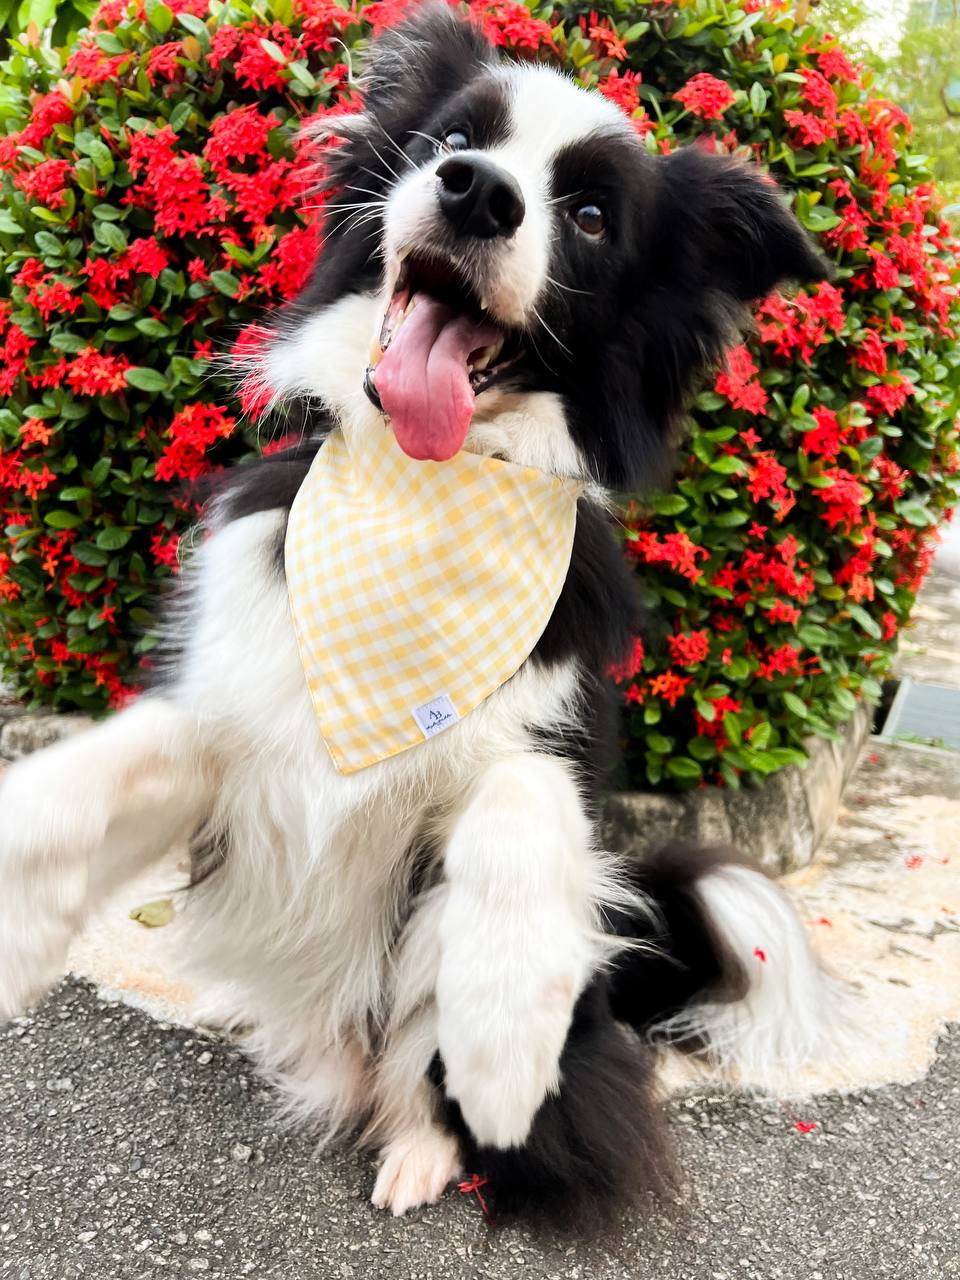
(153, 209)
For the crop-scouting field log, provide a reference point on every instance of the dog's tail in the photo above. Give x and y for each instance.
(723, 967)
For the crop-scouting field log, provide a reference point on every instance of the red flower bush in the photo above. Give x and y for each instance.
(154, 208)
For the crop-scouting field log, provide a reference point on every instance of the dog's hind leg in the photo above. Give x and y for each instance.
(78, 819)
(419, 1155)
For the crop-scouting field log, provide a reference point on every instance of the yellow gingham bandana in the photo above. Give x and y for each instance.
(418, 588)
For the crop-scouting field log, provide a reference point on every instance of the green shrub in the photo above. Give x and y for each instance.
(151, 211)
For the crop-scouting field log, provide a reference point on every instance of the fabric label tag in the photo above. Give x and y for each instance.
(435, 716)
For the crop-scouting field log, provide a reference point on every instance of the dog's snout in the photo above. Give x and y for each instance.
(478, 198)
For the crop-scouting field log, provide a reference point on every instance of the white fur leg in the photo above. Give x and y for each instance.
(518, 942)
(790, 1014)
(417, 1167)
(79, 818)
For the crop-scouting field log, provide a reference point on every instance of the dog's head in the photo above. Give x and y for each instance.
(505, 265)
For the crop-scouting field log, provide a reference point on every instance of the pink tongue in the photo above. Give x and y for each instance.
(422, 379)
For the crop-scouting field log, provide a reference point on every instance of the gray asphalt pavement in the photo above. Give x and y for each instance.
(131, 1149)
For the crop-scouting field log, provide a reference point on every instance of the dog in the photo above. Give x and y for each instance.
(434, 949)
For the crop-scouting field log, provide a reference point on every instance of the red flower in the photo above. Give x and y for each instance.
(35, 431)
(165, 550)
(511, 25)
(45, 183)
(191, 432)
(818, 91)
(669, 686)
(630, 666)
(767, 479)
(871, 354)
(34, 482)
(162, 61)
(836, 66)
(606, 36)
(705, 96)
(889, 397)
(49, 110)
(811, 130)
(621, 87)
(690, 649)
(891, 476)
(93, 374)
(779, 662)
(843, 499)
(826, 438)
(736, 382)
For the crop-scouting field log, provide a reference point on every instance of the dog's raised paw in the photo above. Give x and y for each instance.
(416, 1169)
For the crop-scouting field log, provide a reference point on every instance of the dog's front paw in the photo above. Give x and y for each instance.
(43, 884)
(502, 1062)
(416, 1170)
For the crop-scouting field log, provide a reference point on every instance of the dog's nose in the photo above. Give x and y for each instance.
(478, 198)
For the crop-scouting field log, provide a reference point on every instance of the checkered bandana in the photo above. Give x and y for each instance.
(418, 588)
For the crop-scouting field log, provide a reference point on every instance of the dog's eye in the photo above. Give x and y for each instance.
(455, 140)
(589, 218)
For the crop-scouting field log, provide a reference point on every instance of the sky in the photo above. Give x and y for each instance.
(882, 29)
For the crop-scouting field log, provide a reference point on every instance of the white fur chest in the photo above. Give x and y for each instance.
(313, 854)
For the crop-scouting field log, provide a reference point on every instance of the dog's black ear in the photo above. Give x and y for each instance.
(425, 58)
(727, 227)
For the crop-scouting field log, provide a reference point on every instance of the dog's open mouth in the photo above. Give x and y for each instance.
(438, 350)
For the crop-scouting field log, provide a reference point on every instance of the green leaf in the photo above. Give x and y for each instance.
(302, 75)
(159, 16)
(154, 914)
(658, 743)
(152, 328)
(48, 243)
(684, 767)
(870, 625)
(70, 342)
(813, 636)
(668, 504)
(180, 115)
(109, 234)
(75, 493)
(727, 465)
(196, 27)
(112, 538)
(731, 519)
(8, 224)
(145, 379)
(274, 50)
(758, 98)
(86, 553)
(796, 705)
(63, 519)
(226, 282)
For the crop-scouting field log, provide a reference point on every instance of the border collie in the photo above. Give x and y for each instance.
(434, 950)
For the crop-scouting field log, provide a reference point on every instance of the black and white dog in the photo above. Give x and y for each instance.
(434, 947)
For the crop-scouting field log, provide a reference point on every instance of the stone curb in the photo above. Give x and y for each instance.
(23, 731)
(780, 824)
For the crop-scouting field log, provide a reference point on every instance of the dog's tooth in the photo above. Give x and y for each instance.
(376, 355)
(484, 304)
